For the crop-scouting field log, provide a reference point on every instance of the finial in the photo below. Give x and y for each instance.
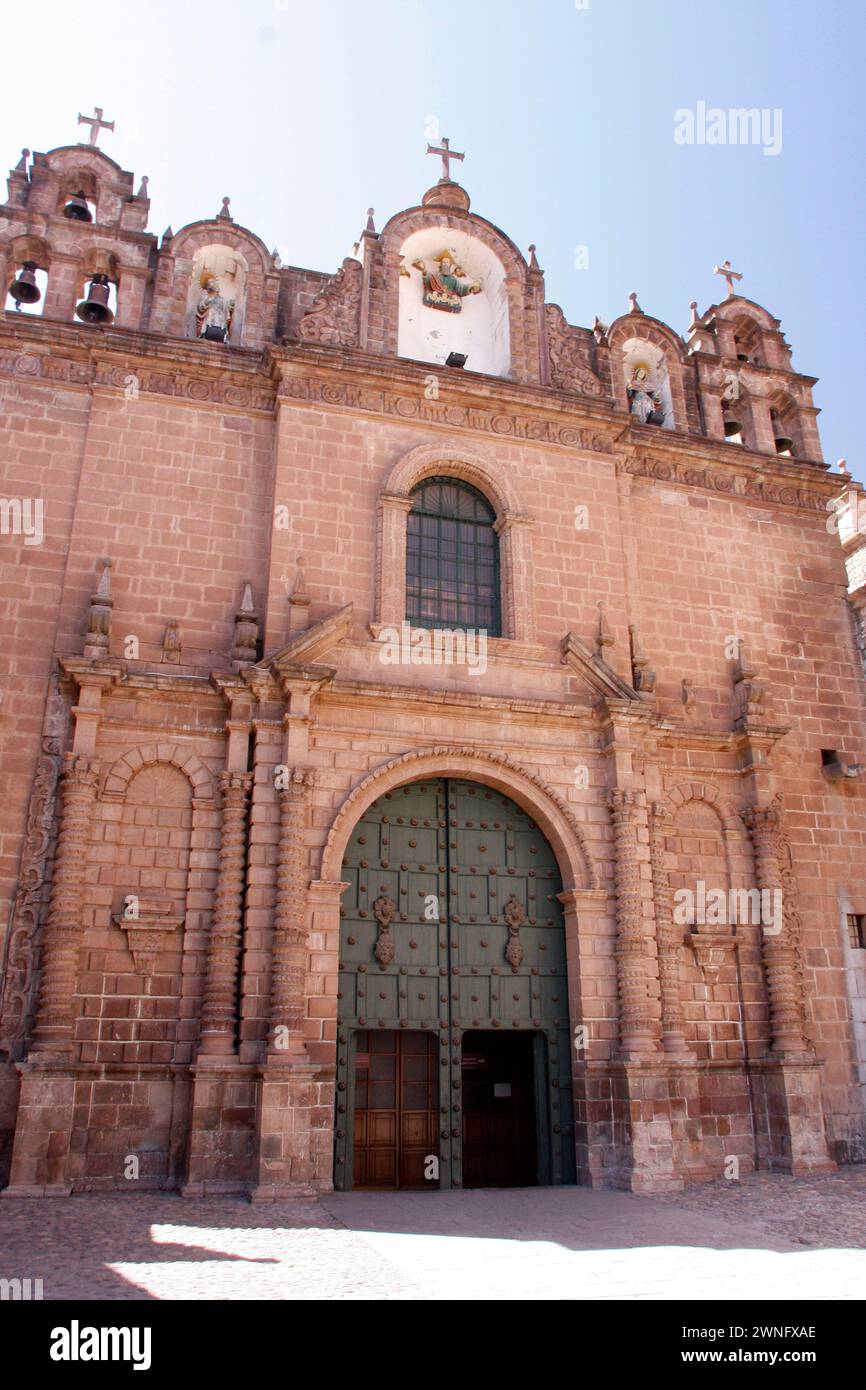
(167, 235)
(605, 636)
(635, 307)
(533, 263)
(693, 322)
(224, 210)
(370, 227)
(142, 187)
(842, 465)
(599, 329)
(21, 166)
(275, 257)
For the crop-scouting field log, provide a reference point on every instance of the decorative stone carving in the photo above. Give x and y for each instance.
(643, 679)
(22, 951)
(774, 872)
(147, 928)
(290, 935)
(711, 947)
(750, 697)
(384, 910)
(570, 361)
(98, 637)
(637, 1024)
(514, 917)
(53, 1031)
(334, 316)
(219, 1009)
(673, 1038)
(171, 642)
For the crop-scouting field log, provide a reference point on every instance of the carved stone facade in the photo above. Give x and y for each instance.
(191, 740)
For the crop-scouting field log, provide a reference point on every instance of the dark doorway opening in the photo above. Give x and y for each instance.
(500, 1143)
(396, 1109)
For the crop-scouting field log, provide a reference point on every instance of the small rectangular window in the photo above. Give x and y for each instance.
(857, 930)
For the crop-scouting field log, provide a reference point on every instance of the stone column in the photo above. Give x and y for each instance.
(787, 1005)
(290, 934)
(673, 1038)
(47, 1096)
(286, 1161)
(52, 1034)
(788, 1081)
(515, 567)
(638, 1027)
(219, 1010)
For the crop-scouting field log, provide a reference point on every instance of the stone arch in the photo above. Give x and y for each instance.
(552, 815)
(513, 526)
(256, 317)
(523, 291)
(121, 773)
(666, 343)
(429, 459)
(705, 791)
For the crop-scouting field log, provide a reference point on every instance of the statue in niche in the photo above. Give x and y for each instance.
(445, 287)
(644, 401)
(213, 313)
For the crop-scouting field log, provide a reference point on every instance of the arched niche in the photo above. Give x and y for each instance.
(475, 324)
(216, 297)
(647, 383)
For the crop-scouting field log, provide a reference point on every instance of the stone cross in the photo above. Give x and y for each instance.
(447, 155)
(95, 122)
(730, 275)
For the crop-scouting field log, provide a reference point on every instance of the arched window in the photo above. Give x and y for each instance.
(452, 558)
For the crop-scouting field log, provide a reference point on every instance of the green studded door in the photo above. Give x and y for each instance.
(453, 1038)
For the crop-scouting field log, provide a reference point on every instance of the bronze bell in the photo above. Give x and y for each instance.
(784, 445)
(25, 290)
(94, 309)
(76, 209)
(732, 427)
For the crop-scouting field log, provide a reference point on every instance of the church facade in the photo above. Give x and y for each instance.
(432, 732)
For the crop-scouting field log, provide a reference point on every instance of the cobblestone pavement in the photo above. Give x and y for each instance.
(767, 1237)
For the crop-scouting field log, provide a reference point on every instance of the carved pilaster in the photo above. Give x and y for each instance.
(780, 950)
(219, 1010)
(638, 1027)
(289, 941)
(673, 1039)
(53, 1031)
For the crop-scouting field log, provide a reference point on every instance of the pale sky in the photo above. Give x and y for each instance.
(306, 114)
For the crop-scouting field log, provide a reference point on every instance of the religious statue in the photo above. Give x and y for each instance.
(445, 287)
(643, 400)
(213, 313)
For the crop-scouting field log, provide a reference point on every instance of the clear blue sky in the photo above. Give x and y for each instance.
(306, 114)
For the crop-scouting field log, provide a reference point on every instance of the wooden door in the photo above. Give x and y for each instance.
(451, 923)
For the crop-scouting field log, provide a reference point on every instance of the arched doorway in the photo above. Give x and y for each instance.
(453, 1055)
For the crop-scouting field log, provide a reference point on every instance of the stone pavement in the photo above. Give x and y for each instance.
(767, 1237)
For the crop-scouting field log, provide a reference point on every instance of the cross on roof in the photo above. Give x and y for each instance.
(447, 155)
(95, 122)
(730, 275)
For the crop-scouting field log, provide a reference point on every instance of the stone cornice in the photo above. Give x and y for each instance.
(365, 383)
